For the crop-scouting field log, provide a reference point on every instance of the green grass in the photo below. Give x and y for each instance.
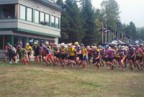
(17, 80)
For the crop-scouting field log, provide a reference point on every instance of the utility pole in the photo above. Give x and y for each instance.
(102, 33)
(107, 32)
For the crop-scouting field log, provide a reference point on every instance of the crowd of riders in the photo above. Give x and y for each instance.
(77, 55)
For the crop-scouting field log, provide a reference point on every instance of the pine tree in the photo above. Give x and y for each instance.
(88, 16)
(111, 12)
(99, 25)
(64, 22)
(130, 30)
(71, 22)
(141, 33)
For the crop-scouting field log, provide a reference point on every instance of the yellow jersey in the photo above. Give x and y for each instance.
(84, 51)
(28, 48)
(71, 51)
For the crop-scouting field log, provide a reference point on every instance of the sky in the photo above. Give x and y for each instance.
(130, 10)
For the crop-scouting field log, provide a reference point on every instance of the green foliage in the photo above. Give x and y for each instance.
(88, 16)
(110, 10)
(75, 26)
(130, 30)
(99, 22)
(71, 26)
(64, 21)
(83, 23)
(60, 2)
(141, 33)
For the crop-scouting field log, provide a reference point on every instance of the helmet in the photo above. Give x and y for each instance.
(62, 44)
(76, 43)
(35, 43)
(107, 46)
(27, 43)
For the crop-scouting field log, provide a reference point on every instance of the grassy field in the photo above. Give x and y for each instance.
(48, 81)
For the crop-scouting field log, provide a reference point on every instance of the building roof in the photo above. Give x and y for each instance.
(49, 4)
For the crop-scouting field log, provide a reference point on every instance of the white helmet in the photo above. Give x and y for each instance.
(62, 44)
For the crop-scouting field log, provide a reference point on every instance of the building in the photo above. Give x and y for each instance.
(28, 21)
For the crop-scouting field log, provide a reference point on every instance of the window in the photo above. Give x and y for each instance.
(7, 11)
(33, 15)
(22, 12)
(59, 25)
(52, 21)
(47, 19)
(57, 22)
(29, 14)
(41, 18)
(36, 16)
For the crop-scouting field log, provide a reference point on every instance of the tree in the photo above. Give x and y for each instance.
(60, 3)
(141, 33)
(110, 10)
(88, 16)
(71, 28)
(75, 28)
(64, 22)
(130, 31)
(99, 26)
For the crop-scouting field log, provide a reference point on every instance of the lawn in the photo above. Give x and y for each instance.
(54, 81)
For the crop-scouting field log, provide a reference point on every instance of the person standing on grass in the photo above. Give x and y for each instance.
(139, 57)
(84, 55)
(131, 56)
(96, 57)
(122, 53)
(89, 50)
(79, 55)
(55, 53)
(12, 53)
(110, 57)
(142, 52)
(36, 49)
(42, 53)
(100, 50)
(18, 52)
(23, 53)
(63, 54)
(71, 54)
(103, 57)
(45, 54)
(28, 50)
(48, 45)
(50, 56)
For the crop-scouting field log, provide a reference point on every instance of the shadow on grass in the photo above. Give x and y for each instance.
(89, 69)
(7, 64)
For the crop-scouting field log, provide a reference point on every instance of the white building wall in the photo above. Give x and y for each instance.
(38, 28)
(18, 23)
(14, 23)
(8, 23)
(40, 7)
